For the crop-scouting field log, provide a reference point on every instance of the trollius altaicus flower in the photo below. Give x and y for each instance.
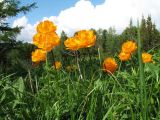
(146, 57)
(38, 55)
(87, 38)
(124, 56)
(129, 47)
(72, 43)
(46, 41)
(57, 65)
(46, 27)
(82, 39)
(110, 65)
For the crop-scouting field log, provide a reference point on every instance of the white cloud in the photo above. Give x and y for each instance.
(112, 13)
(28, 30)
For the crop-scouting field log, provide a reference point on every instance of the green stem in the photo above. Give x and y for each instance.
(79, 69)
(47, 66)
(142, 80)
(53, 59)
(89, 55)
(99, 56)
(30, 80)
(120, 64)
(100, 60)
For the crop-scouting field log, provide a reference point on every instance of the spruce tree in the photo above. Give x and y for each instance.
(130, 32)
(143, 30)
(149, 33)
(11, 8)
(8, 9)
(104, 42)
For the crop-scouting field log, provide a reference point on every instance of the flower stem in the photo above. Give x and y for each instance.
(142, 80)
(100, 61)
(53, 59)
(79, 69)
(46, 66)
(99, 56)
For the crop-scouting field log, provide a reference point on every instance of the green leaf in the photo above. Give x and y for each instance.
(19, 86)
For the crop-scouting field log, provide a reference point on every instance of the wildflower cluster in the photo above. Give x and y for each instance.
(45, 39)
(128, 48)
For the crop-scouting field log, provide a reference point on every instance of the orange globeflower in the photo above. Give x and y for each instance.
(129, 47)
(124, 56)
(38, 55)
(87, 38)
(46, 27)
(110, 65)
(72, 43)
(146, 57)
(46, 41)
(57, 65)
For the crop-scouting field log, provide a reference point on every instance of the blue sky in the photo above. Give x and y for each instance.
(46, 8)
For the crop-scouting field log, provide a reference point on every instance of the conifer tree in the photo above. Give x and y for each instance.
(148, 41)
(130, 32)
(104, 38)
(11, 8)
(8, 9)
(149, 33)
(143, 30)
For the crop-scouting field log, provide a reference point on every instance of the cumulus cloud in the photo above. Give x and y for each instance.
(112, 13)
(28, 30)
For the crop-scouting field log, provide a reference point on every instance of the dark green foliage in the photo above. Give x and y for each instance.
(149, 34)
(16, 59)
(107, 41)
(130, 32)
